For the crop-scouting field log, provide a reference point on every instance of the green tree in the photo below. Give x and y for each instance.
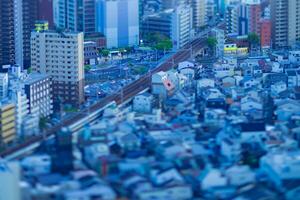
(164, 45)
(43, 123)
(29, 70)
(212, 43)
(104, 52)
(87, 67)
(253, 39)
(153, 38)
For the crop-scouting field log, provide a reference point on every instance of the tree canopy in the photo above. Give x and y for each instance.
(211, 42)
(253, 38)
(104, 52)
(158, 41)
(164, 45)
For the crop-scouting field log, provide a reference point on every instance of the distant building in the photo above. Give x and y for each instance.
(176, 24)
(118, 20)
(90, 53)
(98, 38)
(60, 55)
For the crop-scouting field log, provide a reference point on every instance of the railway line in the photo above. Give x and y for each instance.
(92, 112)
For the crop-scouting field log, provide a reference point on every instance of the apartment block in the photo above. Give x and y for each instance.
(39, 94)
(61, 56)
(7, 122)
(285, 18)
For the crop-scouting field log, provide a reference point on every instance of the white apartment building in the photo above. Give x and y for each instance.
(182, 24)
(22, 108)
(39, 93)
(231, 18)
(220, 36)
(61, 56)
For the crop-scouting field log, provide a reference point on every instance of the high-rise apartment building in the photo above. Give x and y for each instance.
(60, 55)
(293, 21)
(232, 18)
(199, 13)
(254, 14)
(17, 19)
(118, 20)
(285, 18)
(265, 33)
(7, 38)
(249, 17)
(182, 24)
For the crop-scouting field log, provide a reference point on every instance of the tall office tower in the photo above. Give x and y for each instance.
(118, 20)
(7, 38)
(45, 11)
(75, 15)
(222, 7)
(285, 18)
(17, 19)
(60, 55)
(89, 25)
(18, 32)
(29, 17)
(199, 13)
(66, 14)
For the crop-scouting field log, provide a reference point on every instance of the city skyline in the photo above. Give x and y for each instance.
(149, 99)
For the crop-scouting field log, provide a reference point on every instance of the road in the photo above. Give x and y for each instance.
(124, 94)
